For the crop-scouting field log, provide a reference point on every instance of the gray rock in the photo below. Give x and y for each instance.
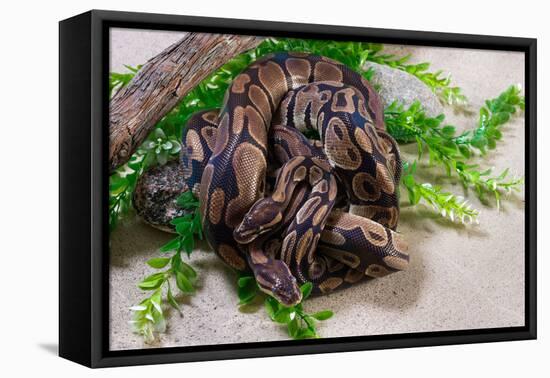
(401, 86)
(156, 193)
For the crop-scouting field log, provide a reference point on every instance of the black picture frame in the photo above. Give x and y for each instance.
(83, 196)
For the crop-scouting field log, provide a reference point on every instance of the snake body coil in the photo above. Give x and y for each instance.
(225, 163)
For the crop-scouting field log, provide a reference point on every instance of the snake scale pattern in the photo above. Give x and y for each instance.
(330, 215)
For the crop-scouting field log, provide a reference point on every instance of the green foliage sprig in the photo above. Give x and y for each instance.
(159, 148)
(299, 324)
(452, 152)
(188, 227)
(247, 289)
(148, 319)
(492, 116)
(444, 203)
(121, 188)
(484, 184)
(439, 84)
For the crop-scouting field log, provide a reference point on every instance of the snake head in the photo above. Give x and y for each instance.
(262, 217)
(275, 279)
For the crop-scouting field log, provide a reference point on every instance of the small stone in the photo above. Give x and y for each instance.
(401, 86)
(156, 193)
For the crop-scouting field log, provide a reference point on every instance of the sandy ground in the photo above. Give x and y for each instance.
(460, 277)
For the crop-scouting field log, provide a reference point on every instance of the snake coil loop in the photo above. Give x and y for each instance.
(297, 233)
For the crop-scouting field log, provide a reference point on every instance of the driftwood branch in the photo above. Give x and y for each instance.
(161, 83)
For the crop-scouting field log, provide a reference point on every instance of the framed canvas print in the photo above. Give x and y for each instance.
(233, 188)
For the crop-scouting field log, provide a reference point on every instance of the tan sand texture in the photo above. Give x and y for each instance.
(460, 277)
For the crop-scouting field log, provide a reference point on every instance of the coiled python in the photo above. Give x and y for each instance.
(225, 162)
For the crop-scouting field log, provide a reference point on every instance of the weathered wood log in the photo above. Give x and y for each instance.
(161, 83)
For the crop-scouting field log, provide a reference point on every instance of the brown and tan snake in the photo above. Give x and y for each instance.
(225, 162)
